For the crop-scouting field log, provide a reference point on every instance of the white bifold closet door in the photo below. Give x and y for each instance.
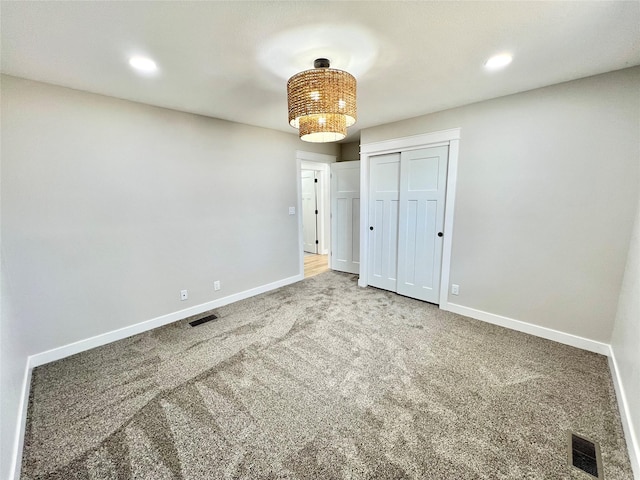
(406, 228)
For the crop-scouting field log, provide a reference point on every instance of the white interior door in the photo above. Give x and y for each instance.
(345, 216)
(384, 173)
(309, 209)
(423, 177)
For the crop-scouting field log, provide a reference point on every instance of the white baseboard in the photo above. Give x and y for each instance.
(22, 422)
(633, 446)
(103, 339)
(112, 336)
(108, 337)
(538, 331)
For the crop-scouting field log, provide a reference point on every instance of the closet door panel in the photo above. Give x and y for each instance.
(421, 218)
(377, 236)
(391, 232)
(410, 242)
(383, 220)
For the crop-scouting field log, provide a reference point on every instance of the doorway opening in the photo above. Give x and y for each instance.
(314, 217)
(309, 179)
(314, 261)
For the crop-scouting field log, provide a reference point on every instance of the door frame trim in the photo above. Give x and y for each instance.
(450, 137)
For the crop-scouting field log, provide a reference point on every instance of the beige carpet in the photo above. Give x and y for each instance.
(322, 380)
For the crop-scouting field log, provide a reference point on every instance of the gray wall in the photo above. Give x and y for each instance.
(625, 341)
(545, 200)
(110, 208)
(13, 358)
(350, 151)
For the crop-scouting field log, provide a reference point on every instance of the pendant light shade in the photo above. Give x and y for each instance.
(322, 102)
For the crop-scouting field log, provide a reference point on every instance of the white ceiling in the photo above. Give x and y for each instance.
(231, 59)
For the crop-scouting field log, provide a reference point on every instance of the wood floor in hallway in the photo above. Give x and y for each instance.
(315, 264)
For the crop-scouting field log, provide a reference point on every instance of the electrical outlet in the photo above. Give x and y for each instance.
(184, 294)
(216, 285)
(455, 289)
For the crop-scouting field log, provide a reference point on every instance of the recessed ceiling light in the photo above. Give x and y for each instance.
(498, 61)
(143, 64)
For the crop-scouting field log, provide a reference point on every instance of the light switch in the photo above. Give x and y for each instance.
(292, 210)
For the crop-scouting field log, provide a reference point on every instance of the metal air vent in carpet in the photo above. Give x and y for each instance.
(585, 455)
(202, 320)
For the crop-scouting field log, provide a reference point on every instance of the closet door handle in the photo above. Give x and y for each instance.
(440, 234)
(370, 228)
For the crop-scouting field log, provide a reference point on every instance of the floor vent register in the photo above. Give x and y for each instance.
(585, 455)
(202, 320)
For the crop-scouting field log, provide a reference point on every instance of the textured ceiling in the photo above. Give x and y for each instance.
(231, 60)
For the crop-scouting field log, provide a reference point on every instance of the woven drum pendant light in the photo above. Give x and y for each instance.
(322, 102)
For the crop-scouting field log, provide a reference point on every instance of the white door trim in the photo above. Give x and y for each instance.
(319, 162)
(443, 137)
(449, 137)
(315, 157)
